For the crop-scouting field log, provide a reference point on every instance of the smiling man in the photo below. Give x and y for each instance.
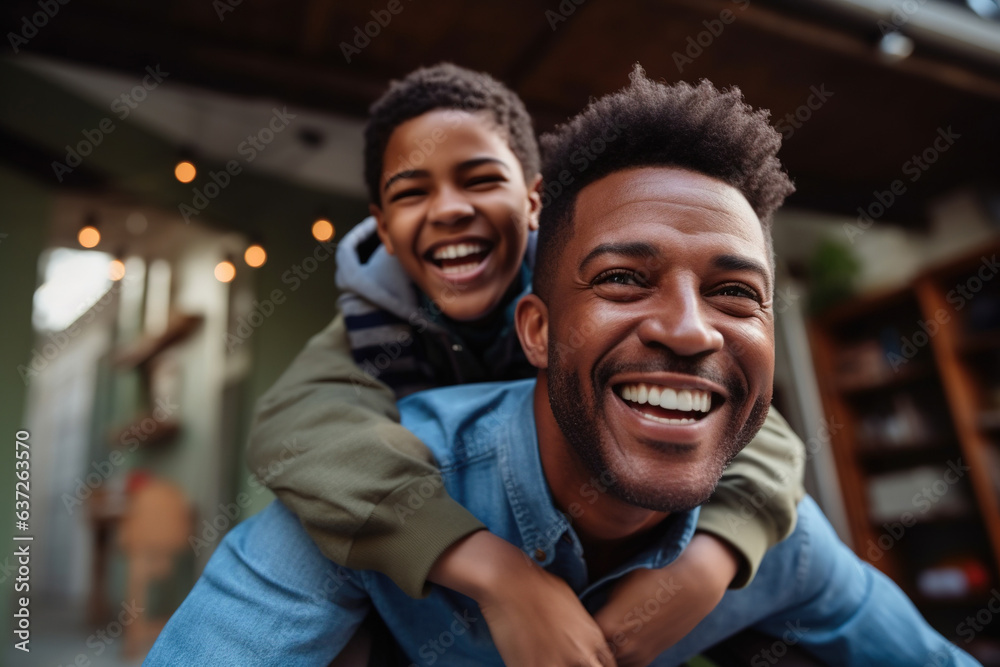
(652, 329)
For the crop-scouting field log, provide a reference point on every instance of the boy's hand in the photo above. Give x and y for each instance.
(534, 617)
(651, 610)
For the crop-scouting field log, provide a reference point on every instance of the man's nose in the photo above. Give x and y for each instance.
(678, 320)
(448, 206)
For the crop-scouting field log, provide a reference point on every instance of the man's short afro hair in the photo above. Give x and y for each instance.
(447, 86)
(694, 127)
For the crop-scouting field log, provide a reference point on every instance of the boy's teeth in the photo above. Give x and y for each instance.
(462, 268)
(457, 250)
(685, 400)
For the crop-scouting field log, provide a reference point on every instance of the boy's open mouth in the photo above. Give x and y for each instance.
(459, 257)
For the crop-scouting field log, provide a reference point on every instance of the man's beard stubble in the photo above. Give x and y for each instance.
(579, 422)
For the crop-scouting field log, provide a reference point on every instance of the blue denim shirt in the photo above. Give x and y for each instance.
(269, 597)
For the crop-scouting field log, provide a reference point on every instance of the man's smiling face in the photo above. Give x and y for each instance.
(660, 335)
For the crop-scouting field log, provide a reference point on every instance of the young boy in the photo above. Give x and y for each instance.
(428, 287)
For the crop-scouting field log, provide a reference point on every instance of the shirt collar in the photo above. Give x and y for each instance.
(541, 524)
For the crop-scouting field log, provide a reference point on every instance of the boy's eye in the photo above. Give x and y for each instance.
(484, 180)
(403, 194)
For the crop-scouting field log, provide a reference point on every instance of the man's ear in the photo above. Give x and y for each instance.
(535, 202)
(381, 227)
(532, 321)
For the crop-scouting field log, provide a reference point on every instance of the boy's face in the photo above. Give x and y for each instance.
(456, 210)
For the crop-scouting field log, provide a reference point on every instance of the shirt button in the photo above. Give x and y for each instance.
(539, 555)
(456, 347)
(567, 539)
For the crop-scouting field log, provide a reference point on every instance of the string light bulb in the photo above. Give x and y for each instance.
(322, 230)
(116, 269)
(88, 236)
(185, 171)
(255, 256)
(225, 271)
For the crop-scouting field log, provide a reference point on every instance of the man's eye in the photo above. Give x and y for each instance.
(618, 277)
(403, 194)
(738, 290)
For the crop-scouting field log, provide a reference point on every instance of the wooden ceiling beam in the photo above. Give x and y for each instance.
(857, 48)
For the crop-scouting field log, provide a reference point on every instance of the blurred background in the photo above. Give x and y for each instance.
(175, 175)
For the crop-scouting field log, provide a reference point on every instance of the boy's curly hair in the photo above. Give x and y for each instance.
(447, 86)
(694, 127)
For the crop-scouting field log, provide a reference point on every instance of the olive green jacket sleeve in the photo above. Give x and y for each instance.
(754, 506)
(326, 439)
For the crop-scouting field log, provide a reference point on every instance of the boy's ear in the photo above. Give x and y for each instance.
(381, 227)
(535, 202)
(532, 321)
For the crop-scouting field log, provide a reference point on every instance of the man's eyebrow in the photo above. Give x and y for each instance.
(407, 173)
(742, 263)
(636, 250)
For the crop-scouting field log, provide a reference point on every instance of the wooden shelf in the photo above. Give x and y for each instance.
(980, 342)
(944, 383)
(882, 458)
(179, 327)
(912, 372)
(972, 601)
(868, 304)
(989, 420)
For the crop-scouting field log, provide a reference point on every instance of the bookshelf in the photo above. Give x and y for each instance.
(914, 376)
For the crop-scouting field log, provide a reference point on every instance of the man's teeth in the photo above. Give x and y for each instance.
(457, 250)
(685, 400)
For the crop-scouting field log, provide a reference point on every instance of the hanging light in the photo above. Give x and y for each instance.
(185, 171)
(322, 230)
(225, 271)
(89, 236)
(116, 269)
(255, 256)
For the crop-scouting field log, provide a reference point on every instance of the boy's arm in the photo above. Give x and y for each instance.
(754, 506)
(327, 441)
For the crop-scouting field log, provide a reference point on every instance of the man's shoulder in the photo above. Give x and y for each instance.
(463, 421)
(812, 562)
